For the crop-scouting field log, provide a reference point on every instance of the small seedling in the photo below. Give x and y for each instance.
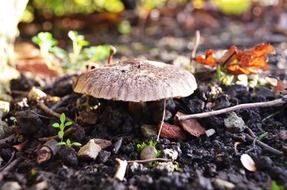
(69, 143)
(72, 61)
(276, 186)
(152, 143)
(61, 126)
(263, 136)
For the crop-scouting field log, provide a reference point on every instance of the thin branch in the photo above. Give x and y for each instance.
(276, 102)
(149, 160)
(162, 120)
(8, 139)
(9, 167)
(263, 145)
(196, 42)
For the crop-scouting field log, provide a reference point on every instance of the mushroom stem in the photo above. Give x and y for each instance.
(113, 51)
(162, 120)
(136, 109)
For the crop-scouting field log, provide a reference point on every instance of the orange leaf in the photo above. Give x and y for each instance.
(209, 59)
(233, 51)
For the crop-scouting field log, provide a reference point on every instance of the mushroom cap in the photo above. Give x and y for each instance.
(136, 81)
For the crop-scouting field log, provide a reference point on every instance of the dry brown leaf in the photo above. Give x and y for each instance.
(191, 126)
(172, 132)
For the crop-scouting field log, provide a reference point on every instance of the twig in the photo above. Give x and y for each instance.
(196, 42)
(63, 100)
(263, 145)
(9, 167)
(162, 120)
(113, 51)
(276, 102)
(9, 161)
(7, 139)
(149, 160)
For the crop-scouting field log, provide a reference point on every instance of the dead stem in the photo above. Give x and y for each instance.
(196, 42)
(276, 102)
(9, 167)
(150, 160)
(263, 145)
(162, 120)
(8, 139)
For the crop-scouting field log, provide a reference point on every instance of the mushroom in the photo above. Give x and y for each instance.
(136, 81)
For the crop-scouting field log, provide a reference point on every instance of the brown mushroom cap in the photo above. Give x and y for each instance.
(136, 81)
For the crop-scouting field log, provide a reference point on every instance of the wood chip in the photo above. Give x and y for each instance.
(172, 132)
(191, 126)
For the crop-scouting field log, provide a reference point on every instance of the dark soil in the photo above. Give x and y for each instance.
(202, 163)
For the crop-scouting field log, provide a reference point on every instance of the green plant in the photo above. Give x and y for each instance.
(69, 143)
(152, 143)
(61, 127)
(70, 61)
(275, 186)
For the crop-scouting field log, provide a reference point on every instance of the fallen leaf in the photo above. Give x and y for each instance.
(172, 132)
(191, 126)
(209, 59)
(237, 61)
(248, 163)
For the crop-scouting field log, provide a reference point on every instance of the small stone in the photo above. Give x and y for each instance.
(148, 130)
(168, 166)
(149, 152)
(90, 150)
(68, 155)
(234, 122)
(224, 184)
(3, 129)
(209, 132)
(4, 108)
(134, 166)
(283, 134)
(117, 145)
(170, 153)
(36, 94)
(11, 185)
(104, 156)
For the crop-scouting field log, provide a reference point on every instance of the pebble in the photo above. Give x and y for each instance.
(134, 166)
(90, 150)
(104, 156)
(168, 166)
(264, 162)
(149, 152)
(209, 132)
(68, 155)
(224, 184)
(283, 134)
(11, 185)
(170, 153)
(117, 145)
(234, 122)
